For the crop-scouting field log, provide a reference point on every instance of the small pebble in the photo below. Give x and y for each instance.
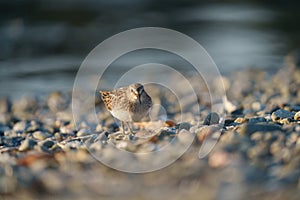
(40, 135)
(83, 132)
(20, 126)
(241, 120)
(27, 144)
(281, 114)
(251, 128)
(211, 118)
(184, 125)
(297, 116)
(257, 120)
(47, 143)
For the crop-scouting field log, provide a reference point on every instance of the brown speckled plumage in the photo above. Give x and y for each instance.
(127, 104)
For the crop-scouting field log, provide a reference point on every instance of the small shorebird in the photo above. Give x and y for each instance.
(128, 104)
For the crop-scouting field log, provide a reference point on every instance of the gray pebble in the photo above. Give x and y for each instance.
(211, 118)
(281, 114)
(33, 126)
(252, 128)
(184, 125)
(47, 143)
(257, 120)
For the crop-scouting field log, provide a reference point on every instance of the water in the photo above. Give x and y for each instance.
(42, 48)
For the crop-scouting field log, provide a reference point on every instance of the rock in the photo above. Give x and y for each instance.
(184, 125)
(20, 126)
(248, 129)
(66, 130)
(255, 120)
(27, 144)
(40, 135)
(297, 116)
(281, 114)
(83, 132)
(241, 120)
(229, 107)
(257, 106)
(47, 143)
(295, 108)
(211, 118)
(33, 126)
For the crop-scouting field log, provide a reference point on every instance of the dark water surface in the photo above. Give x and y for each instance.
(44, 42)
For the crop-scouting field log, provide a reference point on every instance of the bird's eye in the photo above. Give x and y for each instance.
(132, 90)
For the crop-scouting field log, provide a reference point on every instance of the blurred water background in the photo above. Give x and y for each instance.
(44, 42)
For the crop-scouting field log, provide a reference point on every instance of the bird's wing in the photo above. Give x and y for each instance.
(107, 98)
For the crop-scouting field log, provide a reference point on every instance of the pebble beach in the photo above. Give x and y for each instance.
(257, 156)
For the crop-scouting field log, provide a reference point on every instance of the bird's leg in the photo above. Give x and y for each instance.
(130, 130)
(123, 128)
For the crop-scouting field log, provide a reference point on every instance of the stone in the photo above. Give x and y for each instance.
(240, 120)
(184, 125)
(27, 144)
(297, 116)
(20, 126)
(248, 129)
(66, 130)
(47, 143)
(40, 135)
(281, 114)
(257, 106)
(84, 132)
(255, 120)
(211, 118)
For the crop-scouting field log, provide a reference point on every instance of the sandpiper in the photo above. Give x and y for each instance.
(128, 104)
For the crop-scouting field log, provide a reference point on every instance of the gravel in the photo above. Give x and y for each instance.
(257, 148)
